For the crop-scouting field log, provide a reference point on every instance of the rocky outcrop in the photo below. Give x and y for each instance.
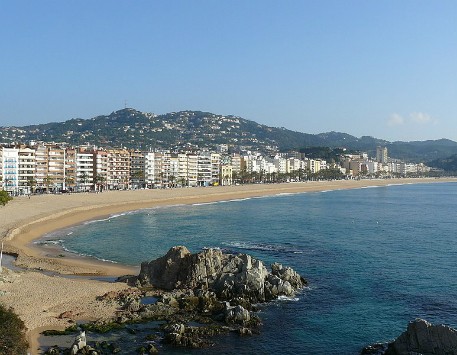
(198, 296)
(425, 338)
(421, 337)
(229, 276)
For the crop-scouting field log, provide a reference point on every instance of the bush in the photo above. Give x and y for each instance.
(12, 333)
(4, 198)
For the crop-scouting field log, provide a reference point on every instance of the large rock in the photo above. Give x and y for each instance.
(421, 337)
(227, 275)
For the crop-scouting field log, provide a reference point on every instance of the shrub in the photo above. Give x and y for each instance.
(12, 333)
(4, 197)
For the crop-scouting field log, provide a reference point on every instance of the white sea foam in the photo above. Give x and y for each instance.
(87, 255)
(49, 242)
(286, 298)
(263, 247)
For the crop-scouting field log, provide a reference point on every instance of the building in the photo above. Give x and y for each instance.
(118, 173)
(226, 175)
(84, 169)
(10, 173)
(381, 155)
(137, 169)
(26, 171)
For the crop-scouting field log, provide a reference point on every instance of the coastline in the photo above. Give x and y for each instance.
(39, 299)
(48, 213)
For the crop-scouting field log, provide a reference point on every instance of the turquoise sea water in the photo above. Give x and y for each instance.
(375, 259)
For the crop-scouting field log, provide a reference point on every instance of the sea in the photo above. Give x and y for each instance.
(375, 258)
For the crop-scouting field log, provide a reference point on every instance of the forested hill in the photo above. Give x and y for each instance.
(135, 129)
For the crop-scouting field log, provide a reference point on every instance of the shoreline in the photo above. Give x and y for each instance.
(19, 239)
(39, 298)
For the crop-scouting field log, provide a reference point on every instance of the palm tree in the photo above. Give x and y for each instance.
(182, 181)
(69, 181)
(99, 181)
(31, 182)
(139, 176)
(171, 179)
(84, 178)
(48, 181)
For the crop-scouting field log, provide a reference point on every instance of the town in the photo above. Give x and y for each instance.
(49, 167)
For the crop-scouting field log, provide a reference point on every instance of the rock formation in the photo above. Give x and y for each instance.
(229, 276)
(198, 295)
(421, 337)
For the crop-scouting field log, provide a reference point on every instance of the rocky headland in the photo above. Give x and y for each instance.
(198, 296)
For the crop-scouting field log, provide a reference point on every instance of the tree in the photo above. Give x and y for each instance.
(31, 182)
(69, 181)
(138, 178)
(172, 180)
(100, 182)
(84, 178)
(48, 181)
(4, 197)
(182, 181)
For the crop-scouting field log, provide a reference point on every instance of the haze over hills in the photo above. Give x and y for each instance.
(134, 129)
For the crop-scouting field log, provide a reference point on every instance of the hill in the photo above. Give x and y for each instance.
(134, 129)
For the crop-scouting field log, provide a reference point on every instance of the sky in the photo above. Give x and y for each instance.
(385, 68)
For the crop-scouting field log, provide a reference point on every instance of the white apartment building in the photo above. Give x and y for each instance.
(10, 173)
(204, 169)
(26, 170)
(215, 168)
(84, 170)
(192, 170)
(152, 169)
(174, 170)
(314, 166)
(293, 164)
(182, 169)
(101, 170)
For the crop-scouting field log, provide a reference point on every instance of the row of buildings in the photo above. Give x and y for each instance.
(49, 167)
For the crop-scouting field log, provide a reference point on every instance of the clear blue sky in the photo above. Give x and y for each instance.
(382, 68)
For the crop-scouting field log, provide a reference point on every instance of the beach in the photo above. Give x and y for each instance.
(39, 299)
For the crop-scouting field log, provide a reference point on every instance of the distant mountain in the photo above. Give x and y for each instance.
(447, 164)
(135, 129)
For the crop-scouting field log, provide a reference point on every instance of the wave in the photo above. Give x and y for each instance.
(49, 242)
(222, 201)
(287, 298)
(276, 248)
(87, 255)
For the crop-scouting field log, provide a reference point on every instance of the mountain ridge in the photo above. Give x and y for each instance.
(139, 130)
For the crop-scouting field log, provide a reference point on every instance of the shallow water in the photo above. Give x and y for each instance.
(375, 258)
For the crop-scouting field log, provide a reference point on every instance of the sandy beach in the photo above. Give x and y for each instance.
(40, 299)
